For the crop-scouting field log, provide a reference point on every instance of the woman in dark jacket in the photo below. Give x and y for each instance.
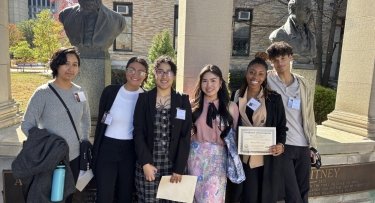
(162, 125)
(114, 153)
(263, 172)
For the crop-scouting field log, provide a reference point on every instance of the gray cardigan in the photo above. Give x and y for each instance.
(46, 111)
(36, 162)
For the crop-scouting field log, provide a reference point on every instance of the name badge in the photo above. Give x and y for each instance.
(294, 103)
(181, 113)
(253, 104)
(80, 96)
(107, 118)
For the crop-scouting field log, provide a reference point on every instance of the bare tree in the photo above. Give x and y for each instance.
(336, 5)
(318, 61)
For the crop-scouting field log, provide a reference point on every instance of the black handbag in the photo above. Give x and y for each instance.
(317, 163)
(85, 146)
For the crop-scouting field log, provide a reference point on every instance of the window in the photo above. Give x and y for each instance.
(175, 27)
(241, 32)
(123, 42)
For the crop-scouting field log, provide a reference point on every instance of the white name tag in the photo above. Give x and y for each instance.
(294, 103)
(107, 118)
(181, 113)
(80, 96)
(253, 104)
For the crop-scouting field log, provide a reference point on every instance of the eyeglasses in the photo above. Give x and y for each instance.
(160, 73)
(132, 71)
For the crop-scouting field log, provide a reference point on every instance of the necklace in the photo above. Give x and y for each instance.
(163, 102)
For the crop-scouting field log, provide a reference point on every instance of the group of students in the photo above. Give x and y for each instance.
(143, 135)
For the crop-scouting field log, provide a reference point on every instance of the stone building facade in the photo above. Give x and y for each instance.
(147, 18)
(255, 19)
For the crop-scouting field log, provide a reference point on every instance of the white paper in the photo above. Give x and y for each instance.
(181, 192)
(256, 140)
(84, 179)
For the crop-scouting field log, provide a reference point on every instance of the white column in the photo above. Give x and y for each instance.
(8, 108)
(355, 102)
(204, 37)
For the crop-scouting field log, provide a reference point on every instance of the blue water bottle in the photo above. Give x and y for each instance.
(57, 191)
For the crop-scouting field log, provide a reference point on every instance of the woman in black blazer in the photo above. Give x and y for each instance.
(162, 124)
(261, 107)
(114, 153)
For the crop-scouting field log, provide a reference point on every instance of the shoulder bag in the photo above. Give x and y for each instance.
(85, 147)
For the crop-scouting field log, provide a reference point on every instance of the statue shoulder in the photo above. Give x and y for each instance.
(68, 11)
(279, 35)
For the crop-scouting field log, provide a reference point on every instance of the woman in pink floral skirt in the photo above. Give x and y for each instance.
(213, 115)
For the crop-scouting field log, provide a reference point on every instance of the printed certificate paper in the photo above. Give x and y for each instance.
(255, 140)
(181, 192)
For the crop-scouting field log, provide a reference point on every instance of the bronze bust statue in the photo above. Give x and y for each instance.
(91, 27)
(296, 31)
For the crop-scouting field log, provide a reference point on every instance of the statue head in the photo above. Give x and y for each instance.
(300, 11)
(90, 4)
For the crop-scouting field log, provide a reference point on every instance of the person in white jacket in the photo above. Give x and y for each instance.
(301, 136)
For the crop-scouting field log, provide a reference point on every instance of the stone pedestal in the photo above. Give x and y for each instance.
(307, 71)
(204, 37)
(355, 101)
(93, 76)
(346, 139)
(9, 112)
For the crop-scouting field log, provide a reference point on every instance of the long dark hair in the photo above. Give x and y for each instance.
(223, 96)
(260, 58)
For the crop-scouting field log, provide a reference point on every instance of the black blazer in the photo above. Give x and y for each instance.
(144, 129)
(106, 101)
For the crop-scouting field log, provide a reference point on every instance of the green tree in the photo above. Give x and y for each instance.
(26, 28)
(22, 52)
(161, 45)
(46, 35)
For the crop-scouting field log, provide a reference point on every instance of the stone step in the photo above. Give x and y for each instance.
(10, 149)
(10, 121)
(11, 139)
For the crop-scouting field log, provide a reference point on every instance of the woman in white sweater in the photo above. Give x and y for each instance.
(46, 111)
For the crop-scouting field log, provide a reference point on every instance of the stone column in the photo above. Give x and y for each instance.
(9, 114)
(204, 37)
(355, 102)
(94, 75)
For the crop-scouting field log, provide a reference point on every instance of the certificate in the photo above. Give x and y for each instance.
(256, 140)
(181, 192)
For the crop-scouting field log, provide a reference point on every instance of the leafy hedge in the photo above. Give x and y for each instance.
(118, 76)
(324, 103)
(235, 79)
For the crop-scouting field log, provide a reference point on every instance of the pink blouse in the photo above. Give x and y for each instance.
(212, 135)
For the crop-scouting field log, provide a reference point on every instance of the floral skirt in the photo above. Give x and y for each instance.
(208, 162)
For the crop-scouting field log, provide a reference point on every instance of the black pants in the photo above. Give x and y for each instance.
(252, 186)
(296, 166)
(74, 166)
(115, 171)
